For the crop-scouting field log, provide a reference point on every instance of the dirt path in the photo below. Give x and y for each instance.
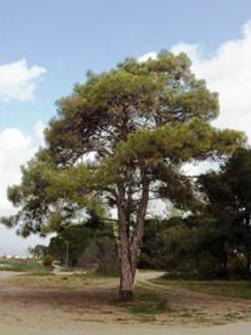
(115, 329)
(8, 274)
(144, 276)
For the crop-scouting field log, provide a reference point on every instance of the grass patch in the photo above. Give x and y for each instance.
(146, 303)
(231, 289)
(51, 281)
(148, 308)
(102, 275)
(22, 265)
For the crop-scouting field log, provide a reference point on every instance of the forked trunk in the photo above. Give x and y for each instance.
(127, 269)
(126, 280)
(127, 251)
(129, 243)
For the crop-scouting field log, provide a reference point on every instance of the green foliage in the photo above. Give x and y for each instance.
(91, 241)
(169, 245)
(48, 261)
(194, 247)
(77, 237)
(107, 256)
(228, 194)
(147, 302)
(21, 265)
(232, 289)
(237, 265)
(215, 243)
(38, 251)
(119, 137)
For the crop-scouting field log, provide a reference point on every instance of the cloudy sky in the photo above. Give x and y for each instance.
(47, 46)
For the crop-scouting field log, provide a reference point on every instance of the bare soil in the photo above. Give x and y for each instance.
(75, 304)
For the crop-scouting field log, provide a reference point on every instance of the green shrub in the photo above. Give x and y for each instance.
(237, 265)
(48, 261)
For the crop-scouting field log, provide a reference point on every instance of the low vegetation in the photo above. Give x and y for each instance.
(146, 302)
(233, 289)
(22, 265)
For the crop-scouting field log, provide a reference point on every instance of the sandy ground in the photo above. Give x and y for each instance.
(117, 329)
(31, 307)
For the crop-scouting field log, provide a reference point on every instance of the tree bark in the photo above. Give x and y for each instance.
(126, 277)
(128, 245)
(248, 256)
(126, 280)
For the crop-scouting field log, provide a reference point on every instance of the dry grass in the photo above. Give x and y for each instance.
(93, 298)
(239, 289)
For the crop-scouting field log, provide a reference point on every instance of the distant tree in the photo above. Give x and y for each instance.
(119, 141)
(200, 246)
(228, 194)
(151, 251)
(38, 251)
(72, 240)
(70, 244)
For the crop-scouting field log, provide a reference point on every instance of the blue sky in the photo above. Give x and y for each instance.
(47, 46)
(70, 37)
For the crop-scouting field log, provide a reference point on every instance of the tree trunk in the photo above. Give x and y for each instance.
(67, 258)
(248, 244)
(197, 262)
(128, 244)
(128, 266)
(126, 276)
(126, 279)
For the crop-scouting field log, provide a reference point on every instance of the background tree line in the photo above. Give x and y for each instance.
(216, 242)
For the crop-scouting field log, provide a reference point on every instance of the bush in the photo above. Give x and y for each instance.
(237, 265)
(101, 255)
(48, 261)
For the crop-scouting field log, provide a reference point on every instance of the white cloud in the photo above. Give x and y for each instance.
(17, 80)
(16, 149)
(38, 130)
(228, 72)
(147, 56)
